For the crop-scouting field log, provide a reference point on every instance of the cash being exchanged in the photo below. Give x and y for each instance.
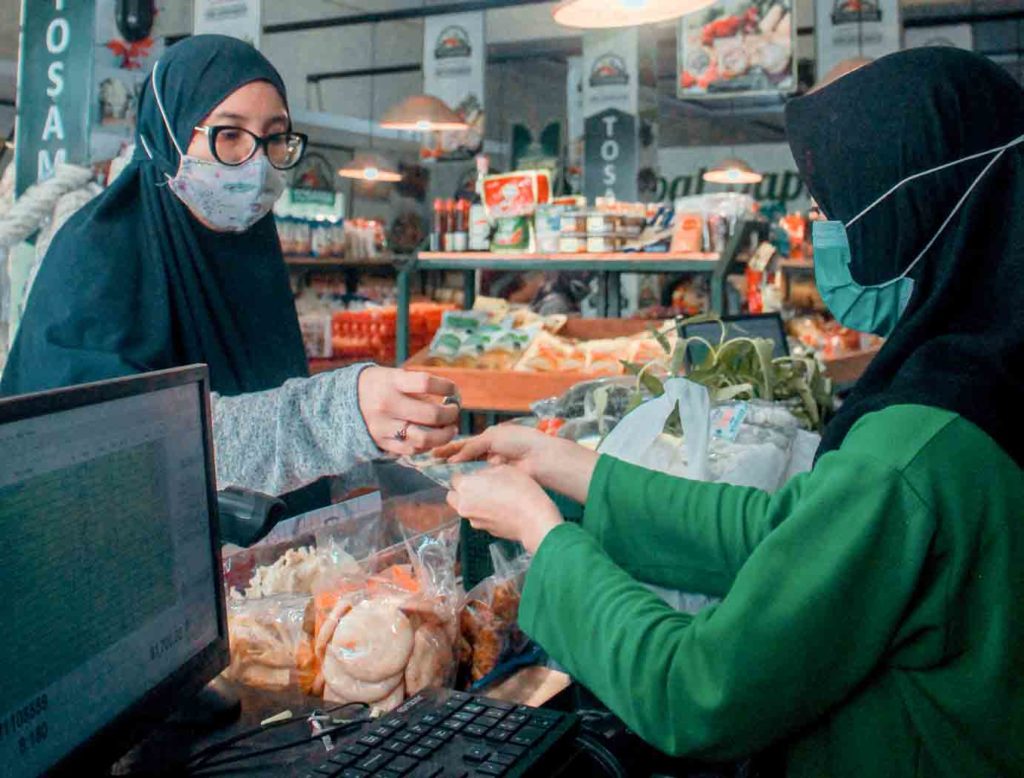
(438, 470)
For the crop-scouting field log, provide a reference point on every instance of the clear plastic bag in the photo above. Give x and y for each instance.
(488, 623)
(387, 628)
(271, 641)
(581, 400)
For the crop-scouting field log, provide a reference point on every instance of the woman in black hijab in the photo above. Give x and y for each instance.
(179, 262)
(872, 611)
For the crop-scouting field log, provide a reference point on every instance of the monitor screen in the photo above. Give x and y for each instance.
(767, 325)
(106, 565)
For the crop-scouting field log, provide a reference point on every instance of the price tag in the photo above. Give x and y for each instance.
(762, 256)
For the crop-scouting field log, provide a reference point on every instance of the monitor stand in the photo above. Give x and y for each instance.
(215, 706)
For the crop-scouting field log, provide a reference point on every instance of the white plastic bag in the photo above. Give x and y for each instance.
(757, 444)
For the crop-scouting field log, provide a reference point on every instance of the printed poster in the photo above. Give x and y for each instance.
(237, 18)
(855, 28)
(454, 59)
(737, 47)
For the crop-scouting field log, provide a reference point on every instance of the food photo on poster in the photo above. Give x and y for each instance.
(737, 47)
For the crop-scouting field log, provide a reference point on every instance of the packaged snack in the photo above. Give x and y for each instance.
(513, 234)
(598, 244)
(270, 640)
(572, 244)
(689, 233)
(489, 620)
(517, 193)
(601, 223)
(573, 223)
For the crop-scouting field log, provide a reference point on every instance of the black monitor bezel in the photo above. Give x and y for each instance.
(114, 739)
(739, 319)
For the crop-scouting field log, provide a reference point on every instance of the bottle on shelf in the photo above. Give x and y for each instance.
(479, 238)
(439, 226)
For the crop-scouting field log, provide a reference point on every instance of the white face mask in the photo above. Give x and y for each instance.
(231, 199)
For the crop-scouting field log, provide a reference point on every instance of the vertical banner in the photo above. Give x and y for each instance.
(54, 87)
(855, 28)
(454, 59)
(737, 47)
(237, 18)
(610, 104)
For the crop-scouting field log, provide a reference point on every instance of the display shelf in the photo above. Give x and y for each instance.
(338, 263)
(795, 264)
(608, 266)
(514, 391)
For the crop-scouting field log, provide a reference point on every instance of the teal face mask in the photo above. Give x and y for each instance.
(875, 308)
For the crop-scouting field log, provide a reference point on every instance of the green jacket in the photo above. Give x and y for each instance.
(873, 617)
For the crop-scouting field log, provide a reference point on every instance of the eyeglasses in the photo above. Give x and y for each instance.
(235, 145)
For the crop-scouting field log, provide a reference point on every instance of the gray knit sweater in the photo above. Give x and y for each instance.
(278, 440)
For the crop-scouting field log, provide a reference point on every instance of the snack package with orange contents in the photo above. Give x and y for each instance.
(271, 642)
(389, 629)
(488, 624)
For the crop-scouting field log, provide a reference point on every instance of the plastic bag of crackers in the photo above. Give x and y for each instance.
(389, 629)
(488, 623)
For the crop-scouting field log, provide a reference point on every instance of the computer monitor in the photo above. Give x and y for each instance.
(112, 603)
(762, 325)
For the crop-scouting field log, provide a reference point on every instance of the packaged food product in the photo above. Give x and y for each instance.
(513, 234)
(573, 223)
(547, 223)
(572, 244)
(517, 193)
(601, 223)
(598, 244)
(270, 640)
(479, 228)
(689, 233)
(488, 623)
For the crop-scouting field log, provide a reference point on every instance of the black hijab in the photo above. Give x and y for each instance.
(132, 282)
(960, 343)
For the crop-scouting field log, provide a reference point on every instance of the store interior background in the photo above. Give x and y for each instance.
(525, 76)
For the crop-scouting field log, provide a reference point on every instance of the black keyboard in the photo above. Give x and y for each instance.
(441, 733)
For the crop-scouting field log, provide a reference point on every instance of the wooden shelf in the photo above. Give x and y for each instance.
(339, 263)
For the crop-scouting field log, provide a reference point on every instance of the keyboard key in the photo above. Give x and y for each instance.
(402, 764)
(525, 709)
(475, 730)
(461, 697)
(527, 736)
(463, 715)
(476, 754)
(352, 772)
(382, 731)
(357, 750)
(427, 770)
(431, 719)
(327, 769)
(519, 718)
(511, 749)
(500, 704)
(396, 746)
(371, 740)
(419, 752)
(420, 729)
(394, 722)
(509, 726)
(493, 714)
(491, 768)
(374, 761)
(343, 759)
(454, 724)
(541, 722)
(437, 739)
(474, 707)
(408, 737)
(499, 758)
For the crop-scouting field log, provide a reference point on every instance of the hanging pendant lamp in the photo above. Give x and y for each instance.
(603, 14)
(732, 171)
(368, 165)
(422, 113)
